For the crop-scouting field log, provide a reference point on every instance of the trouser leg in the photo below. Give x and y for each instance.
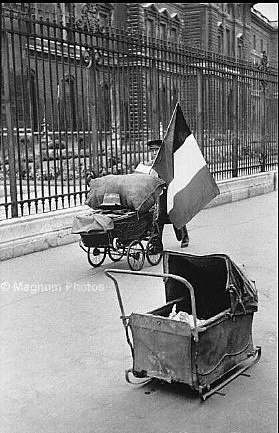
(182, 235)
(178, 233)
(161, 228)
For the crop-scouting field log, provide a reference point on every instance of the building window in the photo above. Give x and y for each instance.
(70, 103)
(240, 44)
(254, 42)
(150, 28)
(103, 20)
(238, 9)
(220, 38)
(230, 8)
(267, 48)
(228, 38)
(164, 105)
(30, 25)
(107, 108)
(34, 101)
(262, 48)
(220, 43)
(163, 32)
(240, 51)
(173, 35)
(69, 20)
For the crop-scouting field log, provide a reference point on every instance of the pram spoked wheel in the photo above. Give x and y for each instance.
(135, 255)
(96, 256)
(116, 250)
(154, 250)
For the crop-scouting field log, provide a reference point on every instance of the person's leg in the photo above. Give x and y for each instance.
(178, 233)
(182, 235)
(163, 217)
(161, 228)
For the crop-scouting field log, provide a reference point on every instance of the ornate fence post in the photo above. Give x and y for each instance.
(93, 111)
(263, 83)
(9, 123)
(155, 99)
(235, 126)
(200, 109)
(89, 22)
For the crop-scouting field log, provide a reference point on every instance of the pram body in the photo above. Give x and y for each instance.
(210, 354)
(134, 235)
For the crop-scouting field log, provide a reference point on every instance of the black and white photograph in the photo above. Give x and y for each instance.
(138, 218)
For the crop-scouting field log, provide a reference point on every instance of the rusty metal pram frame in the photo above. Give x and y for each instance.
(205, 357)
(126, 239)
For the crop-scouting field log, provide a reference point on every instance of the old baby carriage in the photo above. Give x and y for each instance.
(208, 341)
(123, 220)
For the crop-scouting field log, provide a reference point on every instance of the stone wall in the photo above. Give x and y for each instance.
(35, 233)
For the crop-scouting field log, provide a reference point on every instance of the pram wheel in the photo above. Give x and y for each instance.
(154, 250)
(135, 255)
(116, 251)
(96, 256)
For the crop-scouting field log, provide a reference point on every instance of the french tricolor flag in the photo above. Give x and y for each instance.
(180, 163)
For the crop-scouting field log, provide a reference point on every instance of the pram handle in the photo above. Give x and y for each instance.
(160, 275)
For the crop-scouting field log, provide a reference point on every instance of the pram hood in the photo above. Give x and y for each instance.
(219, 283)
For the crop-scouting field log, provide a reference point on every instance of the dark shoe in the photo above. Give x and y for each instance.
(185, 243)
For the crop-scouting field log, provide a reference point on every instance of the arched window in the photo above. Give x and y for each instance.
(107, 105)
(163, 32)
(70, 103)
(69, 20)
(240, 43)
(239, 10)
(150, 28)
(230, 7)
(34, 101)
(173, 35)
(228, 41)
(164, 105)
(104, 109)
(220, 38)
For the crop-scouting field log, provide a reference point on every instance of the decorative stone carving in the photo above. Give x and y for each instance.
(89, 20)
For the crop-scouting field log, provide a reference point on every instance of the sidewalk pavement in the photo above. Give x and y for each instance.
(64, 350)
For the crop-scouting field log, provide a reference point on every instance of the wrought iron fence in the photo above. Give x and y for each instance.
(76, 100)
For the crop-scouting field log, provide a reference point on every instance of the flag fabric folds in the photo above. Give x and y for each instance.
(180, 163)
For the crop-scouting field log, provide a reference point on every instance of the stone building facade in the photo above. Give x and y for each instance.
(231, 29)
(97, 80)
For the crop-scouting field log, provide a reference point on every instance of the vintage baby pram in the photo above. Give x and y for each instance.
(217, 346)
(133, 235)
(125, 207)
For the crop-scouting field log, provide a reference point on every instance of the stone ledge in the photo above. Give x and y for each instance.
(20, 247)
(30, 226)
(236, 189)
(29, 234)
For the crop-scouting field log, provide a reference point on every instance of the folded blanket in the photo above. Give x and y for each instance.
(85, 222)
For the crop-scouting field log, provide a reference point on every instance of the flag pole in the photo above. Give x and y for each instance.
(173, 113)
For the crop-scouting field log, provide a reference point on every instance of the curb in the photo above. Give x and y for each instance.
(29, 234)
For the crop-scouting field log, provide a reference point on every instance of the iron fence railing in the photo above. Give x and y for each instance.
(75, 102)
